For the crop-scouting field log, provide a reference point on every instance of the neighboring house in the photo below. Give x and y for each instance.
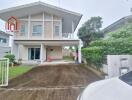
(116, 64)
(118, 24)
(44, 30)
(4, 43)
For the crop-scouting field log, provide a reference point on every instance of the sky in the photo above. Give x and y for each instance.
(109, 10)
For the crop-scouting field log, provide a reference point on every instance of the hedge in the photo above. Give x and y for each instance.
(118, 43)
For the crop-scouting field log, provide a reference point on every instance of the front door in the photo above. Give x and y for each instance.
(33, 53)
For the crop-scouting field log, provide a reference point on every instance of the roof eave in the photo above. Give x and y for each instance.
(74, 15)
(39, 3)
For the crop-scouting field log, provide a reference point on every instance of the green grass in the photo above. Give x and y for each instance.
(68, 58)
(18, 70)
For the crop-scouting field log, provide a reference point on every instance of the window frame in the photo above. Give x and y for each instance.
(36, 33)
(34, 56)
(59, 30)
(23, 33)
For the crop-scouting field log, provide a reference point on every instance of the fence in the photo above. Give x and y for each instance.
(4, 71)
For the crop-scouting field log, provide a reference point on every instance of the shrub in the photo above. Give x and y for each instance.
(11, 57)
(93, 55)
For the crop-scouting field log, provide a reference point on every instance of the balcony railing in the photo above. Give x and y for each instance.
(65, 36)
(68, 36)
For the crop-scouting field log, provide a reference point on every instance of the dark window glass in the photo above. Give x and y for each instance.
(34, 53)
(37, 30)
(56, 30)
(37, 53)
(3, 40)
(23, 30)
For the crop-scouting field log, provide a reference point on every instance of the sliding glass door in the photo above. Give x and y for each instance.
(33, 53)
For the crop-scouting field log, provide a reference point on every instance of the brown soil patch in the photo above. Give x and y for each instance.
(51, 77)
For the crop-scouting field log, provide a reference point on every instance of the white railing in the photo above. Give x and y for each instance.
(68, 36)
(4, 71)
(63, 36)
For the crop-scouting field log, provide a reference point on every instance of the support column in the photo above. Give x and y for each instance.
(52, 27)
(29, 26)
(18, 55)
(15, 50)
(79, 52)
(72, 34)
(12, 43)
(43, 27)
(61, 35)
(41, 53)
(20, 49)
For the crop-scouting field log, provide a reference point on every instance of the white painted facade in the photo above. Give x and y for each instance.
(116, 64)
(49, 18)
(4, 43)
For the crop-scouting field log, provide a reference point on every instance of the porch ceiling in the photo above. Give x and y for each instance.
(48, 42)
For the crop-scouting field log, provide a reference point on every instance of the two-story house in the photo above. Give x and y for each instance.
(4, 43)
(44, 31)
(127, 20)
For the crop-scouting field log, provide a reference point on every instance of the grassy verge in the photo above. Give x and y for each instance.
(18, 70)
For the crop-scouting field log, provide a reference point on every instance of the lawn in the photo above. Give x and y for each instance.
(68, 58)
(18, 70)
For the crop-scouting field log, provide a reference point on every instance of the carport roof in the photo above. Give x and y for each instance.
(48, 42)
(39, 7)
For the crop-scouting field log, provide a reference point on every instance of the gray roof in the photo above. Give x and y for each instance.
(38, 7)
(116, 25)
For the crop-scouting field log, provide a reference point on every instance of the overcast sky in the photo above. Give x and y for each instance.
(109, 10)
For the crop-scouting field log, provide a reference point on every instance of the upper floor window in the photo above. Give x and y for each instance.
(56, 30)
(3, 40)
(36, 30)
(22, 29)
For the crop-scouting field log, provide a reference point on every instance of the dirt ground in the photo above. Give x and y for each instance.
(49, 82)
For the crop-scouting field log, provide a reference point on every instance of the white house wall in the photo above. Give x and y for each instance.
(3, 51)
(46, 20)
(114, 64)
(4, 47)
(15, 50)
(56, 53)
(7, 40)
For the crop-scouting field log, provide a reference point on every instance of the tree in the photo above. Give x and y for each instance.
(119, 42)
(90, 30)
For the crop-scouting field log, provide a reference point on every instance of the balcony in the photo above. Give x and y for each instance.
(66, 36)
(63, 36)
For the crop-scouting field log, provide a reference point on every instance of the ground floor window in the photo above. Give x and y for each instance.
(33, 53)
